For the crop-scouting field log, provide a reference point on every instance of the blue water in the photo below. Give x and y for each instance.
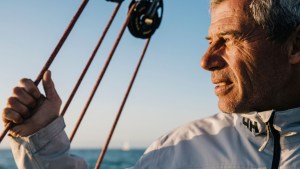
(114, 158)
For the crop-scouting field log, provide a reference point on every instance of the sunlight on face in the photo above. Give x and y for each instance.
(247, 69)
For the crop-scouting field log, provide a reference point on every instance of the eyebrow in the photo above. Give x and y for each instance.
(228, 32)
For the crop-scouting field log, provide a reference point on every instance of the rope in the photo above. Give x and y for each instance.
(101, 75)
(52, 56)
(90, 60)
(103, 151)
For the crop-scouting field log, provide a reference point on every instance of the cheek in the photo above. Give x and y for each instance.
(243, 67)
(240, 58)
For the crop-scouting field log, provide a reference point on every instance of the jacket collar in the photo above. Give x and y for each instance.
(286, 122)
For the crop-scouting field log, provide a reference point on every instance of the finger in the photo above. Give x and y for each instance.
(30, 87)
(24, 97)
(14, 104)
(9, 115)
(16, 130)
(21, 131)
(49, 87)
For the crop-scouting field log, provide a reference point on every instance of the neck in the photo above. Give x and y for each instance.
(290, 97)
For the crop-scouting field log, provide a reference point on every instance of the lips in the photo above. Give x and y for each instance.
(223, 87)
(222, 81)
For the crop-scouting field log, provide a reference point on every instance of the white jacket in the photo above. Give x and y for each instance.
(229, 141)
(257, 140)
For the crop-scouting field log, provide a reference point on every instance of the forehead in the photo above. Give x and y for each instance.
(228, 14)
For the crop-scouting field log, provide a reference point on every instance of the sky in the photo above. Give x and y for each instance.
(171, 88)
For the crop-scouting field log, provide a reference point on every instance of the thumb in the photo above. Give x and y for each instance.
(49, 87)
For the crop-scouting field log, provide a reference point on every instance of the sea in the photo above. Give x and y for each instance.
(114, 158)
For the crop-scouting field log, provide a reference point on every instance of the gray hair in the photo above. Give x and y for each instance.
(278, 17)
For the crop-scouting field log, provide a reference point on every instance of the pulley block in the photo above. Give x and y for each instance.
(145, 17)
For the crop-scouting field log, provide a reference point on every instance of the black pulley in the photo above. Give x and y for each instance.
(145, 18)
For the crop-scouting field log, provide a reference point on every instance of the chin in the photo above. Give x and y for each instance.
(230, 107)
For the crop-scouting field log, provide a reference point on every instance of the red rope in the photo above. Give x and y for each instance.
(101, 74)
(7, 128)
(104, 149)
(52, 56)
(90, 60)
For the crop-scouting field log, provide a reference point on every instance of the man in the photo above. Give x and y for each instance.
(254, 59)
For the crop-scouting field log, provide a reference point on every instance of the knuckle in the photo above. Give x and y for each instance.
(17, 90)
(9, 115)
(24, 81)
(4, 113)
(31, 90)
(35, 92)
(31, 103)
(24, 112)
(11, 101)
(5, 119)
(29, 86)
(17, 118)
(26, 115)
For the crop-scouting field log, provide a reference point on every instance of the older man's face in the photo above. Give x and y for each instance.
(249, 71)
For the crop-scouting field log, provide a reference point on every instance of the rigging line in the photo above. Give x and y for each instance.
(102, 73)
(52, 56)
(103, 151)
(90, 60)
(61, 41)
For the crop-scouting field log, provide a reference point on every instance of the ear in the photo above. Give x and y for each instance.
(294, 57)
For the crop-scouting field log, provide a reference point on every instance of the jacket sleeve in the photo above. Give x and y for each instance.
(46, 149)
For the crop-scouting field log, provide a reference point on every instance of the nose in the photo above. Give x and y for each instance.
(213, 60)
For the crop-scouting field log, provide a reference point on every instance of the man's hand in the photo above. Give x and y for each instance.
(29, 110)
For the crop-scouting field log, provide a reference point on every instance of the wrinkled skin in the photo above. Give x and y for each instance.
(28, 109)
(251, 73)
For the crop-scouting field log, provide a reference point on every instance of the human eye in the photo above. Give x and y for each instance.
(209, 40)
(222, 41)
(228, 40)
(229, 37)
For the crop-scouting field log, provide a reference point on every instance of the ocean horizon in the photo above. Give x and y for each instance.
(114, 158)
